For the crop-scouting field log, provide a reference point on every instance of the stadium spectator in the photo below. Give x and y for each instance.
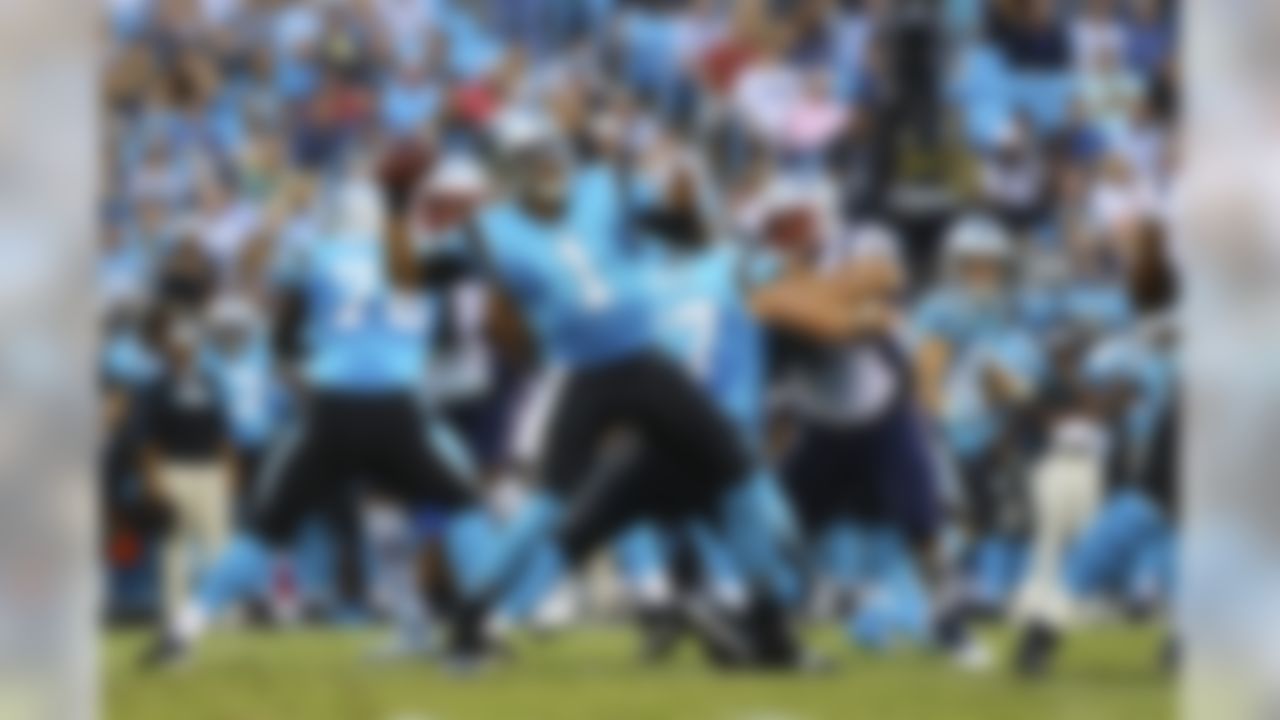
(1030, 34)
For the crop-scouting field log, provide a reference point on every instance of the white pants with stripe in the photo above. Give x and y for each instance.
(1067, 486)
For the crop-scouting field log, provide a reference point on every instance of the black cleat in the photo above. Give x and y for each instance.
(1036, 650)
(723, 639)
(165, 651)
(662, 629)
(951, 629)
(466, 660)
(795, 660)
(259, 616)
(1137, 610)
(470, 650)
(954, 637)
(778, 647)
(810, 662)
(1171, 655)
(470, 663)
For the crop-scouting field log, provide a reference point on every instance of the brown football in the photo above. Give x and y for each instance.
(403, 163)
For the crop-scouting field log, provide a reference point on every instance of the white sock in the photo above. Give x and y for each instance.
(191, 622)
(654, 590)
(729, 594)
(499, 626)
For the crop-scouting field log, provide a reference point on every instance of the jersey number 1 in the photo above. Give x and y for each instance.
(595, 293)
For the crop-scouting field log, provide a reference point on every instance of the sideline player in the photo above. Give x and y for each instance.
(980, 372)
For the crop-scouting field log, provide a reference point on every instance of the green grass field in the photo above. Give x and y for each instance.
(592, 675)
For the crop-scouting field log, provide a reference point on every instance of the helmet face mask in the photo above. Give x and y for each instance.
(450, 194)
(534, 159)
(231, 324)
(984, 279)
(539, 176)
(181, 342)
(978, 257)
(229, 338)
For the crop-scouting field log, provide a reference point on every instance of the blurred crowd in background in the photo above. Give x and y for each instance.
(1056, 118)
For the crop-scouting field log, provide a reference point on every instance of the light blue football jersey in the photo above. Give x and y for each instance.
(1126, 358)
(951, 315)
(249, 388)
(126, 360)
(361, 334)
(1101, 306)
(1096, 306)
(581, 292)
(969, 421)
(705, 323)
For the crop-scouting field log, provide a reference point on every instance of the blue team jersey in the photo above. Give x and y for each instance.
(127, 361)
(1148, 370)
(950, 315)
(970, 423)
(705, 323)
(580, 290)
(361, 334)
(247, 383)
(979, 335)
(1096, 306)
